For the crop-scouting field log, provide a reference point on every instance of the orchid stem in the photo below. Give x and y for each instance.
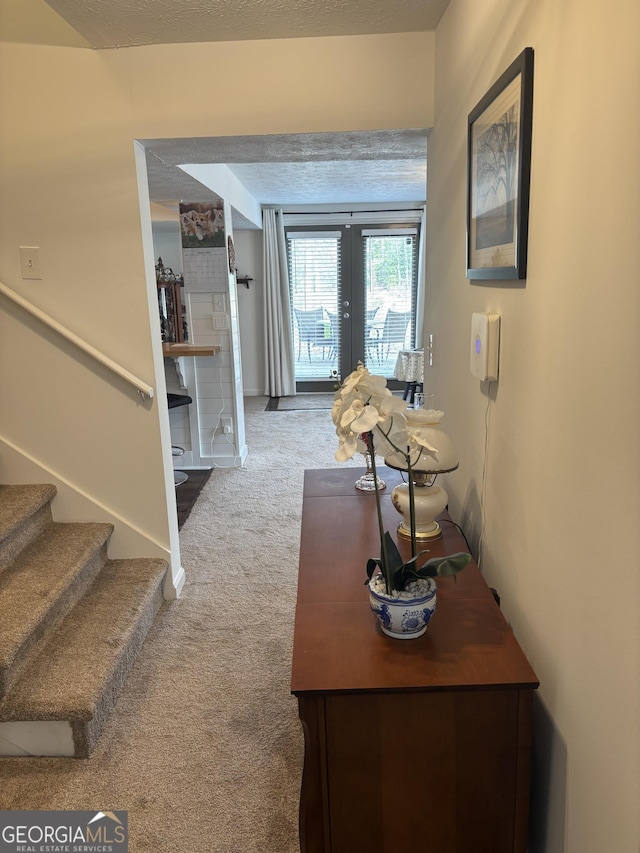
(412, 507)
(383, 543)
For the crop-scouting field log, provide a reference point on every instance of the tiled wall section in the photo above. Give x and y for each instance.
(215, 383)
(218, 379)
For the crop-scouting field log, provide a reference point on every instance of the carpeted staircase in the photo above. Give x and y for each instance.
(72, 622)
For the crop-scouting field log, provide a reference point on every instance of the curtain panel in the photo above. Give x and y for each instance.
(280, 359)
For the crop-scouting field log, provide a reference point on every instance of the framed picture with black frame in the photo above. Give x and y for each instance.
(498, 175)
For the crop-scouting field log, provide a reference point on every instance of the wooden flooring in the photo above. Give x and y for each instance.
(187, 493)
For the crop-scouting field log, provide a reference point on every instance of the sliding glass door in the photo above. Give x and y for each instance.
(353, 297)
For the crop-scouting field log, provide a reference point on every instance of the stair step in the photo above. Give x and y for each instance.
(24, 512)
(40, 587)
(76, 679)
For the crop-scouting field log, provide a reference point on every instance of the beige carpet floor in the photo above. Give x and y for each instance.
(204, 748)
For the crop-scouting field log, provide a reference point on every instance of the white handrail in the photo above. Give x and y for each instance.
(143, 389)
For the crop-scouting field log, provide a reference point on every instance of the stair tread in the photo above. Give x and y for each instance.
(66, 681)
(17, 503)
(32, 585)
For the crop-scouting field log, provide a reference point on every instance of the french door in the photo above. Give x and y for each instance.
(353, 298)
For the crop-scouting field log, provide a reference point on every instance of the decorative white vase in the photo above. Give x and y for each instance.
(405, 615)
(367, 483)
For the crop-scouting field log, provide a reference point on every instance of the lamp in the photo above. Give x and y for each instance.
(429, 500)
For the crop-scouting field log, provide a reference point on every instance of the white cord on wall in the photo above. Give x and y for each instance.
(483, 486)
(226, 436)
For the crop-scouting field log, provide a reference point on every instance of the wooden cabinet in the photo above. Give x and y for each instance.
(416, 746)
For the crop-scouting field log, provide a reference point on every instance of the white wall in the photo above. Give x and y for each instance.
(248, 246)
(68, 184)
(167, 244)
(563, 476)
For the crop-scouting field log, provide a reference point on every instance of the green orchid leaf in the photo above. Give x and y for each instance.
(393, 555)
(443, 567)
(437, 567)
(372, 564)
(410, 574)
(411, 564)
(398, 580)
(391, 561)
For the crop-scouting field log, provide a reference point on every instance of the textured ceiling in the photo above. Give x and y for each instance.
(336, 182)
(120, 23)
(374, 167)
(293, 147)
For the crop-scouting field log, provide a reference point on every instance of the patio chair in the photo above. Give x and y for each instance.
(334, 334)
(311, 329)
(372, 332)
(393, 332)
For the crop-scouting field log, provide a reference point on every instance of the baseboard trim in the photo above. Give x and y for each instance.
(173, 586)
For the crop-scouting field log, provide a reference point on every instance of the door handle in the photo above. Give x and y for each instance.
(346, 315)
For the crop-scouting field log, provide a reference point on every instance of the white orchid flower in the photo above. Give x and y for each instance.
(364, 404)
(349, 445)
(364, 384)
(366, 420)
(391, 405)
(390, 435)
(418, 437)
(350, 411)
(335, 411)
(353, 378)
(373, 386)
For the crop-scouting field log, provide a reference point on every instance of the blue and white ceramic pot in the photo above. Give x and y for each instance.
(404, 615)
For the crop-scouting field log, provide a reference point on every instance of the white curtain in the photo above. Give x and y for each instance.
(422, 263)
(279, 376)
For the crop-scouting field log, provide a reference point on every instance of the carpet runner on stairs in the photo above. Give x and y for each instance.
(72, 622)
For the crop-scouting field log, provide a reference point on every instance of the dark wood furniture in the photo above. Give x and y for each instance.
(173, 325)
(419, 745)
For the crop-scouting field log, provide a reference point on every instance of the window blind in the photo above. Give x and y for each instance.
(390, 267)
(314, 281)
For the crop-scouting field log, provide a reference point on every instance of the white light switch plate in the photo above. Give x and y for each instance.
(30, 262)
(485, 346)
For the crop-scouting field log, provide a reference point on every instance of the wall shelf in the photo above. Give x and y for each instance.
(175, 350)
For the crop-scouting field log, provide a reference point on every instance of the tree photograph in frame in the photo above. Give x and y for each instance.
(498, 172)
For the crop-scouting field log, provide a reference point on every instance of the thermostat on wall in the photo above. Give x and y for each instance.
(485, 346)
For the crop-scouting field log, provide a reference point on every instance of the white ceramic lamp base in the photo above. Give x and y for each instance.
(429, 502)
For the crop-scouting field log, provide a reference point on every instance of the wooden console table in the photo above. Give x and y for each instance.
(411, 746)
